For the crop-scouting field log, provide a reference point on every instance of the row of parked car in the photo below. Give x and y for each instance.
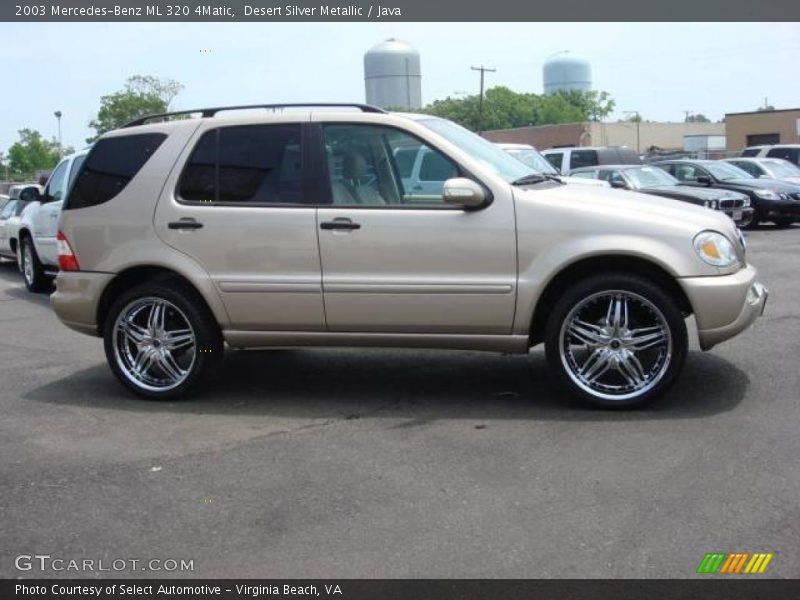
(29, 223)
(762, 185)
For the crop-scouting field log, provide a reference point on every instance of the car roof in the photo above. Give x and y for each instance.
(506, 146)
(621, 167)
(774, 146)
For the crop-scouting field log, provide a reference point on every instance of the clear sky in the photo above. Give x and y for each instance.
(658, 69)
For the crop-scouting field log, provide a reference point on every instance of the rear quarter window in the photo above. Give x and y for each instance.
(110, 166)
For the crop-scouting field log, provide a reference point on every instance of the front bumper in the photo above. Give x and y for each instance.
(76, 299)
(725, 306)
(746, 214)
(789, 209)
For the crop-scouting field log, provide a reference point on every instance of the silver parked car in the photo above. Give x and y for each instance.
(295, 228)
(769, 168)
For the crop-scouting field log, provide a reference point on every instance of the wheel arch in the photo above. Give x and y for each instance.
(146, 273)
(593, 265)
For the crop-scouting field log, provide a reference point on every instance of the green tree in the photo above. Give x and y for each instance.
(506, 109)
(698, 118)
(143, 95)
(33, 153)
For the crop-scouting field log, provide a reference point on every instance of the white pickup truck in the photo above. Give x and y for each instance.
(38, 254)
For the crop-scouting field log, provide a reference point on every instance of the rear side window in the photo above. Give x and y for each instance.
(790, 154)
(583, 158)
(254, 164)
(110, 166)
(750, 152)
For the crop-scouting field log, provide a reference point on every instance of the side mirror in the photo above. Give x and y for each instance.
(704, 179)
(29, 194)
(463, 192)
(618, 184)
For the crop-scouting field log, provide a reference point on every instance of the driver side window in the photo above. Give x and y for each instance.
(55, 184)
(687, 173)
(381, 166)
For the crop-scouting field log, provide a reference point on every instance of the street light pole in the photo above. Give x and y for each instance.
(57, 115)
(483, 70)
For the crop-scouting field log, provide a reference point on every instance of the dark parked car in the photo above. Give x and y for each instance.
(652, 180)
(773, 200)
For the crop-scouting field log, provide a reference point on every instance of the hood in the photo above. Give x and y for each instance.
(625, 205)
(701, 193)
(765, 183)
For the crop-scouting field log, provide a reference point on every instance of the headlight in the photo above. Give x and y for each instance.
(746, 202)
(715, 249)
(767, 194)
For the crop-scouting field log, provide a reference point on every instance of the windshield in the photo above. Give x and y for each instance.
(650, 177)
(533, 159)
(781, 168)
(724, 171)
(492, 157)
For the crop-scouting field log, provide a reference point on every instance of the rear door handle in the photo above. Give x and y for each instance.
(340, 223)
(186, 223)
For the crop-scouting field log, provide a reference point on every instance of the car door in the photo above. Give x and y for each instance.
(5, 215)
(243, 206)
(45, 220)
(395, 262)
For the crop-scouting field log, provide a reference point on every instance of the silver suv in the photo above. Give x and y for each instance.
(293, 227)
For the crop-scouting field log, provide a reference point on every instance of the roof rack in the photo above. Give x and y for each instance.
(210, 112)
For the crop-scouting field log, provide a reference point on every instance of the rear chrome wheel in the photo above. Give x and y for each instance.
(154, 344)
(616, 340)
(161, 339)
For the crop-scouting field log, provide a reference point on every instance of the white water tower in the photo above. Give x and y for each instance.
(392, 75)
(565, 72)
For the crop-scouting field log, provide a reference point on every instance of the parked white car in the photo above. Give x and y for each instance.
(790, 152)
(10, 219)
(531, 157)
(38, 254)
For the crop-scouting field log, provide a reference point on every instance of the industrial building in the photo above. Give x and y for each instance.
(392, 75)
(640, 136)
(762, 127)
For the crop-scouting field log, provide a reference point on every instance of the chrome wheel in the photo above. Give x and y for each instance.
(615, 345)
(154, 344)
(27, 263)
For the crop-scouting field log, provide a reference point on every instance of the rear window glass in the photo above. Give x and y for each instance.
(248, 164)
(110, 166)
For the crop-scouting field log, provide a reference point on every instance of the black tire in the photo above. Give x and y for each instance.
(784, 222)
(208, 342)
(647, 295)
(34, 276)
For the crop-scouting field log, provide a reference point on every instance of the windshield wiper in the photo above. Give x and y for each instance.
(534, 178)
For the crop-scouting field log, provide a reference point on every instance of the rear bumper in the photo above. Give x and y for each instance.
(725, 306)
(76, 299)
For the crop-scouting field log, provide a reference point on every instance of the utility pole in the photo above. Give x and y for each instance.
(483, 70)
(57, 115)
(687, 113)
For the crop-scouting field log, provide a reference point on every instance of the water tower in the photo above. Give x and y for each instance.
(565, 72)
(392, 75)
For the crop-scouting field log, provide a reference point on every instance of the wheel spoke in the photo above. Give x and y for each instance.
(144, 360)
(588, 333)
(167, 364)
(646, 337)
(595, 365)
(630, 368)
(178, 338)
(156, 320)
(133, 332)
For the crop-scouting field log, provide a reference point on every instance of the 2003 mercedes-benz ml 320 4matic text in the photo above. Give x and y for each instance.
(292, 227)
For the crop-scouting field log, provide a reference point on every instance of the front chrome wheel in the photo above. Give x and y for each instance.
(27, 263)
(154, 344)
(615, 345)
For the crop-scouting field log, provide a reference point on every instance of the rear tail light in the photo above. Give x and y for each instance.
(66, 257)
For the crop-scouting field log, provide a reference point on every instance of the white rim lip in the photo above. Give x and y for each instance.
(655, 379)
(126, 370)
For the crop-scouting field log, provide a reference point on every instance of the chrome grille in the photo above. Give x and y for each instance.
(730, 203)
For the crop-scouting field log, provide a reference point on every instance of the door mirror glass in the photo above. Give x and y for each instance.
(704, 179)
(30, 194)
(617, 183)
(464, 192)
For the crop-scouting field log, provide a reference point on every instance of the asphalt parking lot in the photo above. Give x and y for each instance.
(353, 463)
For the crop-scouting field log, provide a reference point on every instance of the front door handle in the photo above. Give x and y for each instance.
(185, 223)
(340, 223)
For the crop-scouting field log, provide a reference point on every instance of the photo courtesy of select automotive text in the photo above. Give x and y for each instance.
(409, 301)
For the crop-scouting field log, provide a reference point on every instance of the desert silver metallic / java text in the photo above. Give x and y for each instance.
(154, 344)
(615, 345)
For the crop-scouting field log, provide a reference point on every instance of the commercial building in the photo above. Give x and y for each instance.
(762, 127)
(640, 136)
